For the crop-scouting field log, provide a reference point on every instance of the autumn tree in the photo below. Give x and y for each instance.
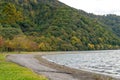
(21, 43)
(91, 46)
(1, 43)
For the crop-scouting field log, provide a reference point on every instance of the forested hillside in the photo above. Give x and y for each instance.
(112, 21)
(49, 25)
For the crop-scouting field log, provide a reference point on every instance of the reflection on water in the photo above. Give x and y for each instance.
(105, 62)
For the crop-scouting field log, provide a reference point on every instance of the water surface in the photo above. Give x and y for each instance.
(104, 62)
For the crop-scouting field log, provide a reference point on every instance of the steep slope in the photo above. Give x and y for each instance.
(56, 26)
(112, 21)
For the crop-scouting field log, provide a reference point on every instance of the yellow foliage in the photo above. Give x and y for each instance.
(21, 43)
(100, 40)
(10, 14)
(91, 46)
(75, 40)
(44, 46)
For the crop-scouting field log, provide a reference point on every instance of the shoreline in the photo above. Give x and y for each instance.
(51, 70)
(79, 74)
(85, 70)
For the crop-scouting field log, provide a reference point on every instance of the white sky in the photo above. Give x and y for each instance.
(96, 6)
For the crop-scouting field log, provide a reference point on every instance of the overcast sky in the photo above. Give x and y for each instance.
(96, 6)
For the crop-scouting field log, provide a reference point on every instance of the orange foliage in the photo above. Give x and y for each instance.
(1, 41)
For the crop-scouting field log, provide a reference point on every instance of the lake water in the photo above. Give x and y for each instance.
(104, 62)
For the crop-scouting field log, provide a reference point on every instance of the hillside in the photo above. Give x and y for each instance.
(49, 25)
(112, 21)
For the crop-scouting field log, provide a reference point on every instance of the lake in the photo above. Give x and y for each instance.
(104, 62)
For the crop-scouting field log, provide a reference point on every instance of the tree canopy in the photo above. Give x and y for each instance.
(49, 25)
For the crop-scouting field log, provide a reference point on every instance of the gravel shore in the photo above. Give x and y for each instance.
(51, 70)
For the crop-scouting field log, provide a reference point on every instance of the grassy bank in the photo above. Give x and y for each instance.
(11, 71)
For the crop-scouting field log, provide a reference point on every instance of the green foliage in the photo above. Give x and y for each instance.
(9, 13)
(50, 25)
(113, 22)
(10, 32)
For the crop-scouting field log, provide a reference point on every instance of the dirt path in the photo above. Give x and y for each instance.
(51, 70)
(30, 62)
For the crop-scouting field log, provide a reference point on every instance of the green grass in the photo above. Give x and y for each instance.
(11, 71)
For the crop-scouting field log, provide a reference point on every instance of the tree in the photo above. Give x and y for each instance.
(21, 43)
(75, 40)
(1, 43)
(44, 46)
(91, 46)
(9, 13)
